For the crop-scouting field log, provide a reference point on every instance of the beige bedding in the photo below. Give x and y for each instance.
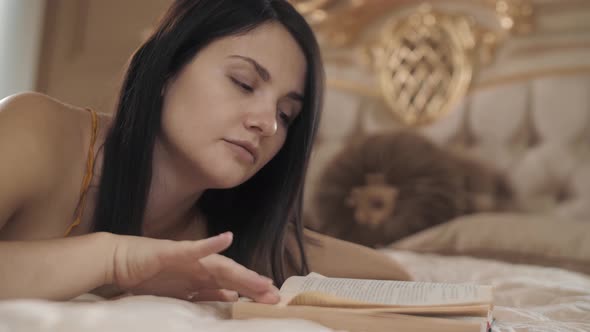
(526, 238)
(528, 298)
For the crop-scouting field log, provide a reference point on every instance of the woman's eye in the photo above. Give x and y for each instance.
(242, 85)
(285, 118)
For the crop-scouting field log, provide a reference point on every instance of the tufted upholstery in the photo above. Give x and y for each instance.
(535, 126)
(538, 132)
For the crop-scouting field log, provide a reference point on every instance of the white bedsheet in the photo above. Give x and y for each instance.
(528, 298)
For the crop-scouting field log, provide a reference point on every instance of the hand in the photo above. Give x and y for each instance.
(190, 270)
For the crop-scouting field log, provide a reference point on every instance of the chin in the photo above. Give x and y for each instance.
(224, 173)
(228, 179)
(226, 184)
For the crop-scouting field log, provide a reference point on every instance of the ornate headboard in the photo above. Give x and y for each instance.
(506, 80)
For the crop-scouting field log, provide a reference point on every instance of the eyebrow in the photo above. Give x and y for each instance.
(265, 75)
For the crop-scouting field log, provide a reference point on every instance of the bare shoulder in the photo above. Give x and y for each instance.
(35, 109)
(40, 125)
(36, 133)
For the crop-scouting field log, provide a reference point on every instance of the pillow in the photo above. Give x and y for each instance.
(515, 238)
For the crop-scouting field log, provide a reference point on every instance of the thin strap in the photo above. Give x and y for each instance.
(87, 176)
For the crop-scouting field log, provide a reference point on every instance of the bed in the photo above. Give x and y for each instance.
(515, 91)
(509, 83)
(528, 298)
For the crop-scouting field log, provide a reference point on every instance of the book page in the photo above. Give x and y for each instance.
(381, 292)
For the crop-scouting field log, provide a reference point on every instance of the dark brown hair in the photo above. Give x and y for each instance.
(257, 211)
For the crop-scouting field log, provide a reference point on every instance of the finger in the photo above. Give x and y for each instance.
(203, 248)
(226, 272)
(208, 270)
(271, 297)
(231, 275)
(223, 295)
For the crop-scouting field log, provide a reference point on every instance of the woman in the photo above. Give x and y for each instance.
(206, 154)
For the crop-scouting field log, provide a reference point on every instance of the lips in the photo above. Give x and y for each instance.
(246, 145)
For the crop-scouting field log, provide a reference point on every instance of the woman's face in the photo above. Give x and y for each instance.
(227, 113)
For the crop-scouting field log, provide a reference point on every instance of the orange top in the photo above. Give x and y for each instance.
(87, 176)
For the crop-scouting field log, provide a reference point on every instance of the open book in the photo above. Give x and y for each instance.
(378, 305)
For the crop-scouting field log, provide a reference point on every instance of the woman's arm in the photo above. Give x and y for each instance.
(332, 257)
(55, 269)
(64, 268)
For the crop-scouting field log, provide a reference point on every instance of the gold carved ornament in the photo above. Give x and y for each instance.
(423, 62)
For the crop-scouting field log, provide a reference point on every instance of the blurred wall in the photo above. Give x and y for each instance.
(21, 24)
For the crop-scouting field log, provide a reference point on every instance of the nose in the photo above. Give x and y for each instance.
(264, 121)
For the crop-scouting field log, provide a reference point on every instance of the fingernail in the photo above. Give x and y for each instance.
(226, 234)
(275, 289)
(276, 297)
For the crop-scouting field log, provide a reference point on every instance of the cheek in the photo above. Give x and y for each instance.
(182, 124)
(195, 88)
(185, 105)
